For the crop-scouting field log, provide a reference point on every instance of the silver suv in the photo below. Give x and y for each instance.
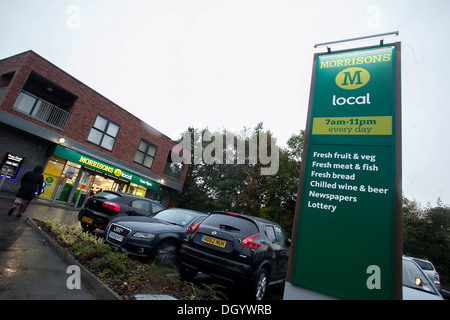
(429, 270)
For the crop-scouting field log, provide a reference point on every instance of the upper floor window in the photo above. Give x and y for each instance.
(103, 133)
(145, 154)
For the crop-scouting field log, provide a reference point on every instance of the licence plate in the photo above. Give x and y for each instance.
(214, 241)
(115, 236)
(86, 219)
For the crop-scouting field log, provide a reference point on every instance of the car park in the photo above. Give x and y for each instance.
(101, 208)
(238, 248)
(416, 284)
(158, 236)
(429, 270)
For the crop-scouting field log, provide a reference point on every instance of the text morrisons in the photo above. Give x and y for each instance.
(355, 61)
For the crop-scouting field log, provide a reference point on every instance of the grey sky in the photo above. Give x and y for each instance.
(229, 64)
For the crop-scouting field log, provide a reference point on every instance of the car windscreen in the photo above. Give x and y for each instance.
(231, 223)
(178, 217)
(424, 265)
(411, 274)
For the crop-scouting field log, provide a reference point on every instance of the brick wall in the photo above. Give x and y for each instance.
(87, 106)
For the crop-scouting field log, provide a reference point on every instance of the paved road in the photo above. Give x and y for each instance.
(29, 268)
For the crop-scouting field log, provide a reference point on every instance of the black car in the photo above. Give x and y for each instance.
(237, 248)
(101, 208)
(153, 236)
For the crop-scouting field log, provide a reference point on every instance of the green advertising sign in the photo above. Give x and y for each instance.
(346, 239)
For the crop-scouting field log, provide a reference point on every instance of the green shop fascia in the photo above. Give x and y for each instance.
(102, 167)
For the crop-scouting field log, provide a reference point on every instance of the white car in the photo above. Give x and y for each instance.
(416, 284)
(429, 270)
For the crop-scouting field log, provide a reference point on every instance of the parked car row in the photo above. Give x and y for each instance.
(231, 246)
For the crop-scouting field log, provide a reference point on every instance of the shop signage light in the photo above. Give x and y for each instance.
(104, 168)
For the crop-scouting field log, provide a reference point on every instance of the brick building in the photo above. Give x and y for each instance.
(85, 142)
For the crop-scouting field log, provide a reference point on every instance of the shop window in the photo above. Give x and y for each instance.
(52, 175)
(136, 190)
(59, 179)
(145, 154)
(103, 133)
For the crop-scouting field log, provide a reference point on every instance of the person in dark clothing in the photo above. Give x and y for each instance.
(30, 183)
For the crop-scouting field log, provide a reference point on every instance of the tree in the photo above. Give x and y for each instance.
(240, 185)
(426, 234)
(281, 196)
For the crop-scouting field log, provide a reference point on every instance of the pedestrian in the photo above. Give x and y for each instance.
(31, 182)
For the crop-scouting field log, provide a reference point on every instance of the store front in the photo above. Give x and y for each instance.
(72, 177)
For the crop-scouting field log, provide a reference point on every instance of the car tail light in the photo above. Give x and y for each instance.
(111, 205)
(250, 243)
(194, 227)
(232, 214)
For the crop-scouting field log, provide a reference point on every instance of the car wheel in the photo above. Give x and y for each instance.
(260, 284)
(167, 252)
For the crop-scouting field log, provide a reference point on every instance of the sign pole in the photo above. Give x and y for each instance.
(398, 179)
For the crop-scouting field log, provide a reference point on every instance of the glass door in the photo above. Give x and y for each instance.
(84, 187)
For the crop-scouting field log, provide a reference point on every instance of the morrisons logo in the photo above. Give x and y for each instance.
(355, 61)
(352, 78)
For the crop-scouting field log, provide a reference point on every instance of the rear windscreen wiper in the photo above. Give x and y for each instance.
(227, 227)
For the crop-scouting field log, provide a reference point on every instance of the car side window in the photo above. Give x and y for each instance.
(280, 236)
(141, 205)
(270, 233)
(197, 220)
(157, 208)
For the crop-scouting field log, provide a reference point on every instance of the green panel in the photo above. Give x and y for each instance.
(346, 222)
(103, 167)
